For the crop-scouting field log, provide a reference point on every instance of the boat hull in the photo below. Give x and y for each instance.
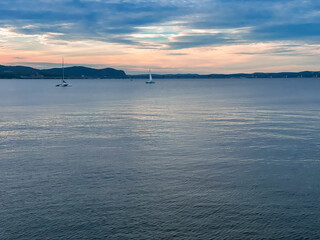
(63, 85)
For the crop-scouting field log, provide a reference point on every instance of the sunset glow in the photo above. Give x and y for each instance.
(210, 36)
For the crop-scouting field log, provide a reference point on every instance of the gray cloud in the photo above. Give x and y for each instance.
(177, 54)
(114, 20)
(199, 40)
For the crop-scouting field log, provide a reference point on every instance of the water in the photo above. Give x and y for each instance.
(180, 159)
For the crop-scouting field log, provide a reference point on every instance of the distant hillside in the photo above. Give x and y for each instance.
(17, 71)
(85, 72)
(305, 74)
(69, 72)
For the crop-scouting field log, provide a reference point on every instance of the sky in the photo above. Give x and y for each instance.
(168, 36)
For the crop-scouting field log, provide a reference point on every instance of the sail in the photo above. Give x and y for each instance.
(150, 78)
(63, 81)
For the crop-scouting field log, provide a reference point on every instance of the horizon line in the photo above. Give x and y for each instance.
(200, 74)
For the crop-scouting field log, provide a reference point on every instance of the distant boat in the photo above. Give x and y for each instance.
(63, 82)
(150, 79)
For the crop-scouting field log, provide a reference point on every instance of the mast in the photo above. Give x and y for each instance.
(63, 69)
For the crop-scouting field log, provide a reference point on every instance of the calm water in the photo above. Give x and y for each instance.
(180, 159)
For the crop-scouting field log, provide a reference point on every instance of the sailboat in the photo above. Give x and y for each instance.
(150, 79)
(63, 82)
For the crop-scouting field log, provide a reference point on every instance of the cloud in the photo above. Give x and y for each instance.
(223, 22)
(305, 31)
(200, 40)
(251, 21)
(283, 50)
(109, 21)
(177, 54)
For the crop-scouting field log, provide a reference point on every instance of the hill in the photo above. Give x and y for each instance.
(84, 72)
(69, 72)
(76, 72)
(305, 74)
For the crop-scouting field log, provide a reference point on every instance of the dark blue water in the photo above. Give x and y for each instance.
(180, 159)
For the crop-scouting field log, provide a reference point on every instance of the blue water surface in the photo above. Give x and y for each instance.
(179, 159)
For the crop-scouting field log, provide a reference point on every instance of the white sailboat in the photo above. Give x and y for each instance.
(63, 82)
(150, 79)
